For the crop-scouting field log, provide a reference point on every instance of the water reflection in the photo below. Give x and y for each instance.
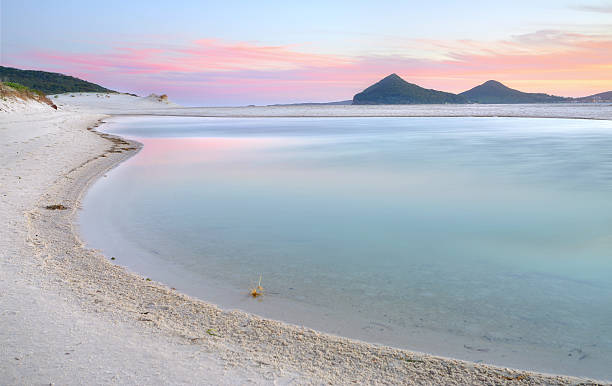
(480, 231)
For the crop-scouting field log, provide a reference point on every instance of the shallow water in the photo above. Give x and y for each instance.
(479, 238)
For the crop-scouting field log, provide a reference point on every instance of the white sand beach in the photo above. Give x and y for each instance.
(69, 315)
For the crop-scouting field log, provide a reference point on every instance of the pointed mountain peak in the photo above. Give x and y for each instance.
(494, 83)
(395, 90)
(392, 78)
(493, 91)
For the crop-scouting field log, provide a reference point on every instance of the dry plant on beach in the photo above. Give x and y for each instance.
(257, 291)
(56, 207)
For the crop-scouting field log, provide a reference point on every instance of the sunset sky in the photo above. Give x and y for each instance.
(262, 52)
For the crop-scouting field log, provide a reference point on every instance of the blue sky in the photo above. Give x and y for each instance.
(53, 35)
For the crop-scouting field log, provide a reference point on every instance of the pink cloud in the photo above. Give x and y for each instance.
(210, 71)
(209, 54)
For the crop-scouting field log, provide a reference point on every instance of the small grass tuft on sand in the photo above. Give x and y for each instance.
(257, 291)
(56, 207)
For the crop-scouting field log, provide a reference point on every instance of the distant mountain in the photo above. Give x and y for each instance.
(394, 90)
(493, 91)
(604, 97)
(48, 82)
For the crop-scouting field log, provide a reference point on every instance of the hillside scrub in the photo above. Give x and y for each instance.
(16, 90)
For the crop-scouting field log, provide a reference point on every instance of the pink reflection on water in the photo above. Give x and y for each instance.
(172, 151)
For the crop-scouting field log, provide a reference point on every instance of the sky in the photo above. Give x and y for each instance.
(230, 53)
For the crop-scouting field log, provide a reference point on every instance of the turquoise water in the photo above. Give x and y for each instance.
(487, 239)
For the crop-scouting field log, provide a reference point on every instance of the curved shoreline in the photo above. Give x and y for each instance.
(239, 338)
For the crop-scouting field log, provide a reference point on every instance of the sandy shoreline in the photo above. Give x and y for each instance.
(125, 105)
(135, 330)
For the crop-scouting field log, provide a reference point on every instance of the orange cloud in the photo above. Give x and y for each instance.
(563, 63)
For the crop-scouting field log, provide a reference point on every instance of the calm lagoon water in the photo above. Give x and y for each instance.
(487, 239)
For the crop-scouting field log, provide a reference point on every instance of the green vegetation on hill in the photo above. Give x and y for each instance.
(17, 86)
(394, 90)
(24, 89)
(48, 82)
(495, 92)
(15, 90)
